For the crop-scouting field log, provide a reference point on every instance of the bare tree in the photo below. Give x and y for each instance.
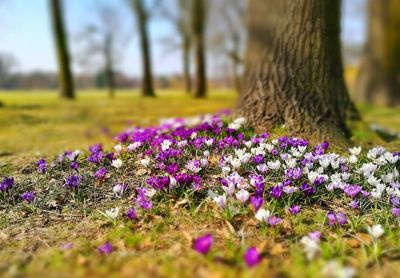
(378, 80)
(199, 15)
(228, 34)
(181, 22)
(103, 39)
(142, 15)
(7, 65)
(66, 83)
(294, 73)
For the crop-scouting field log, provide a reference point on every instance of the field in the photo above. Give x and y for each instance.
(36, 241)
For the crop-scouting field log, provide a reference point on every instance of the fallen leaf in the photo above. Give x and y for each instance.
(277, 249)
(141, 172)
(364, 238)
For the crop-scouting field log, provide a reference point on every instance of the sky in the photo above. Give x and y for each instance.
(27, 34)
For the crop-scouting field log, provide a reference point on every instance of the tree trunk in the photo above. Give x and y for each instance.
(199, 17)
(109, 70)
(378, 81)
(237, 78)
(186, 64)
(142, 21)
(294, 73)
(66, 83)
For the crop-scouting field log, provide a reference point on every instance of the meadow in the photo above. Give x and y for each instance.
(59, 234)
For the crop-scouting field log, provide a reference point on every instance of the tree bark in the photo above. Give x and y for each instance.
(65, 78)
(199, 17)
(294, 72)
(109, 70)
(186, 64)
(378, 81)
(142, 21)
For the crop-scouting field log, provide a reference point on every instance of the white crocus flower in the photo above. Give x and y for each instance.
(235, 162)
(132, 147)
(352, 159)
(243, 195)
(274, 165)
(145, 161)
(311, 247)
(376, 231)
(312, 176)
(118, 148)
(112, 213)
(376, 194)
(262, 215)
(355, 151)
(117, 163)
(165, 144)
(118, 190)
(220, 201)
(335, 270)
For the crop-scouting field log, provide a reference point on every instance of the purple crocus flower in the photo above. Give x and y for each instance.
(28, 196)
(72, 181)
(294, 173)
(316, 235)
(101, 173)
(7, 183)
(252, 257)
(396, 212)
(96, 157)
(203, 244)
(131, 213)
(96, 148)
(276, 191)
(307, 189)
(295, 209)
(257, 202)
(319, 180)
(105, 249)
(274, 220)
(352, 190)
(258, 159)
(41, 166)
(74, 165)
(354, 204)
(341, 218)
(338, 219)
(67, 246)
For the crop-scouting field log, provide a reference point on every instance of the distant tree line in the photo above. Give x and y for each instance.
(226, 29)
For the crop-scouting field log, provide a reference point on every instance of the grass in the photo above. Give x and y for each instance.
(34, 124)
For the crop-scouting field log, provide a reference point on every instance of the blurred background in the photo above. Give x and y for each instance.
(78, 71)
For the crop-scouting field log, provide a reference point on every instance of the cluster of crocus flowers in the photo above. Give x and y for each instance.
(242, 172)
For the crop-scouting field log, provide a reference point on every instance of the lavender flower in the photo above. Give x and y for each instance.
(101, 173)
(352, 190)
(72, 181)
(396, 212)
(28, 196)
(6, 184)
(105, 249)
(252, 257)
(274, 220)
(203, 244)
(336, 219)
(257, 202)
(131, 213)
(295, 209)
(74, 165)
(41, 166)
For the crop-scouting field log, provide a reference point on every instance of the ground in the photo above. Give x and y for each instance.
(38, 125)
